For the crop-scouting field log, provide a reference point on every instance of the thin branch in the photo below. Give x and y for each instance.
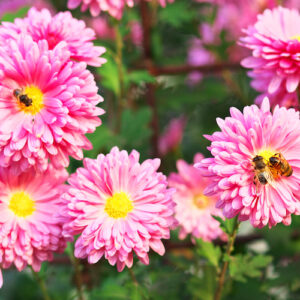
(184, 69)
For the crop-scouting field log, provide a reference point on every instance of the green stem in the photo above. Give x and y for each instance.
(41, 284)
(229, 248)
(133, 278)
(78, 278)
(119, 62)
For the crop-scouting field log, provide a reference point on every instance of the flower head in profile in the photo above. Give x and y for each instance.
(118, 206)
(275, 43)
(30, 232)
(198, 55)
(193, 210)
(47, 105)
(172, 136)
(255, 168)
(40, 25)
(113, 7)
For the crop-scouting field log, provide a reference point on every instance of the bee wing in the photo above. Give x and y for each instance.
(268, 175)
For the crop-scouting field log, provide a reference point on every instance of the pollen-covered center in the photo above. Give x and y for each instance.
(118, 206)
(266, 154)
(21, 204)
(30, 100)
(201, 201)
(296, 37)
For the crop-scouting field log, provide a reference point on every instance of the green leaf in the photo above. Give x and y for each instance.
(109, 74)
(139, 76)
(10, 17)
(103, 139)
(243, 266)
(226, 225)
(177, 13)
(211, 252)
(135, 129)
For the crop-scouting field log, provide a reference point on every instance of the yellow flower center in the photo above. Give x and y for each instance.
(296, 37)
(34, 101)
(266, 154)
(21, 204)
(118, 206)
(201, 201)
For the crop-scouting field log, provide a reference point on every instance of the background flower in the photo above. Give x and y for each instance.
(193, 210)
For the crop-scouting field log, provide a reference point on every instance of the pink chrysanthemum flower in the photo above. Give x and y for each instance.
(275, 44)
(193, 210)
(29, 230)
(119, 206)
(268, 194)
(61, 27)
(113, 7)
(47, 105)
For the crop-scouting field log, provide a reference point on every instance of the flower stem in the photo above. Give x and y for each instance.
(133, 278)
(78, 277)
(229, 248)
(41, 284)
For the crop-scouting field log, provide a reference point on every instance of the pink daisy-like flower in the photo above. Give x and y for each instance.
(30, 232)
(41, 25)
(47, 105)
(275, 44)
(119, 206)
(193, 210)
(113, 7)
(253, 139)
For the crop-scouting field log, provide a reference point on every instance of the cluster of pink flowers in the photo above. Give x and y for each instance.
(114, 7)
(49, 101)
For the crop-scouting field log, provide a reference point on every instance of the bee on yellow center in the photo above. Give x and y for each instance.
(269, 166)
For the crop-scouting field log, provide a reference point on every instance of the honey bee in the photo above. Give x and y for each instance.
(23, 98)
(279, 166)
(262, 172)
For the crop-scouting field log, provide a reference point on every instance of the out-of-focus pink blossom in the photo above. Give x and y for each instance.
(113, 7)
(262, 196)
(172, 136)
(193, 210)
(118, 206)
(102, 28)
(198, 56)
(136, 33)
